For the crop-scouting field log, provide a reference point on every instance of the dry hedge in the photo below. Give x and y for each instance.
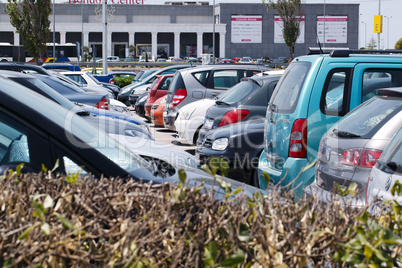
(61, 221)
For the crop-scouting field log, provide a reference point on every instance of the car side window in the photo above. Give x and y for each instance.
(13, 141)
(71, 167)
(333, 101)
(224, 79)
(374, 79)
(202, 77)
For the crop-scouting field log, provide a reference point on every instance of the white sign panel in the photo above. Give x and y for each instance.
(336, 29)
(246, 29)
(278, 27)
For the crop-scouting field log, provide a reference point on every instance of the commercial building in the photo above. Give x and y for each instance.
(186, 29)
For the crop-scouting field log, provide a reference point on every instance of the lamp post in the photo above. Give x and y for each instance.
(388, 17)
(365, 33)
(54, 35)
(213, 32)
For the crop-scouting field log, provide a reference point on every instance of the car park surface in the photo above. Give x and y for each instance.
(313, 94)
(352, 146)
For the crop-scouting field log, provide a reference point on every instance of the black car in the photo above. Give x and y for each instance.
(140, 104)
(32, 135)
(240, 145)
(244, 101)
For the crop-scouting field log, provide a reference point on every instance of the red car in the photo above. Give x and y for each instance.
(236, 59)
(158, 89)
(157, 112)
(227, 61)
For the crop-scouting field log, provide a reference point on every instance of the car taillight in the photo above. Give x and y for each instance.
(233, 116)
(111, 81)
(178, 97)
(360, 157)
(298, 139)
(103, 104)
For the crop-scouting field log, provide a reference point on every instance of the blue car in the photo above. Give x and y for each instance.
(312, 95)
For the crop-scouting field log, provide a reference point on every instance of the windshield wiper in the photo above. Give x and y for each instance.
(345, 134)
(219, 102)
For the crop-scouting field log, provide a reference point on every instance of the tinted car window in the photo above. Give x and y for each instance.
(285, 98)
(164, 85)
(374, 79)
(368, 117)
(224, 79)
(238, 92)
(202, 77)
(177, 83)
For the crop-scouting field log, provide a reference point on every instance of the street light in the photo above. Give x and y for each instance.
(365, 34)
(388, 17)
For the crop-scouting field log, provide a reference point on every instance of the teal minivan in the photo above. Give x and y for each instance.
(314, 92)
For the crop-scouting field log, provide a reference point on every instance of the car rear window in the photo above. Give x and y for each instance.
(366, 119)
(238, 92)
(288, 90)
(177, 83)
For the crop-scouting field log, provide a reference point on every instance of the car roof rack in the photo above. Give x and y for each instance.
(347, 52)
(324, 50)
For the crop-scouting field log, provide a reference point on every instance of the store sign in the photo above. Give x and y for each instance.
(278, 31)
(246, 29)
(111, 2)
(336, 29)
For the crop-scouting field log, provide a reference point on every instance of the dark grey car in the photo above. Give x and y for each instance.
(350, 149)
(244, 101)
(202, 82)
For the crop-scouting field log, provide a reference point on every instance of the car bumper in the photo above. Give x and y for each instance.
(289, 175)
(169, 119)
(240, 166)
(326, 197)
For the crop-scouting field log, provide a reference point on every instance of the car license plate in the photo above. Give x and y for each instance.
(208, 123)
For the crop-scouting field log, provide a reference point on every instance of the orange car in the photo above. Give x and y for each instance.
(157, 112)
(159, 89)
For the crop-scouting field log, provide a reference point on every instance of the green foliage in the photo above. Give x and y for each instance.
(31, 19)
(290, 12)
(372, 44)
(398, 44)
(123, 81)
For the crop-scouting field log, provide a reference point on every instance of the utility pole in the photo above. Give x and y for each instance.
(104, 45)
(54, 35)
(379, 34)
(213, 32)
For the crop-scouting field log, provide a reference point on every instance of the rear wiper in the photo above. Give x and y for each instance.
(219, 102)
(345, 134)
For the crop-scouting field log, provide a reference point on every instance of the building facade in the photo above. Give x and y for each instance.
(188, 30)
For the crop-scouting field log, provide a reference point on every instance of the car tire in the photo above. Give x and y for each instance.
(255, 181)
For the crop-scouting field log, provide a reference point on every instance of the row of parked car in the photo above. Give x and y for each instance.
(286, 124)
(47, 120)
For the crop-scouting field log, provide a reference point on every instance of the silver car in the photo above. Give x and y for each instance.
(350, 149)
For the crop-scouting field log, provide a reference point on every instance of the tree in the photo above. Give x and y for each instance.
(31, 19)
(131, 49)
(290, 12)
(398, 44)
(372, 44)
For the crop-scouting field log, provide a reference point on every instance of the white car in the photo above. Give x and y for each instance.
(110, 59)
(190, 120)
(118, 106)
(386, 172)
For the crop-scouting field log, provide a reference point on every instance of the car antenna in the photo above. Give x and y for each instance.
(318, 41)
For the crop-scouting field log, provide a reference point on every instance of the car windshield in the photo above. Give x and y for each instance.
(93, 79)
(393, 153)
(238, 92)
(288, 89)
(366, 118)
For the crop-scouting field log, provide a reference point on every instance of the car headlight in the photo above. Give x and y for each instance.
(220, 144)
(143, 99)
(125, 90)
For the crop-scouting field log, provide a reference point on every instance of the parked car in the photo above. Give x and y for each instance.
(157, 112)
(305, 105)
(36, 138)
(240, 145)
(352, 146)
(142, 74)
(61, 66)
(227, 61)
(94, 71)
(201, 82)
(158, 89)
(236, 59)
(385, 173)
(245, 60)
(86, 78)
(129, 94)
(109, 77)
(107, 123)
(22, 67)
(140, 104)
(110, 59)
(244, 101)
(190, 120)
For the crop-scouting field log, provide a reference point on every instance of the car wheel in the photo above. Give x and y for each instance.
(196, 134)
(255, 181)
